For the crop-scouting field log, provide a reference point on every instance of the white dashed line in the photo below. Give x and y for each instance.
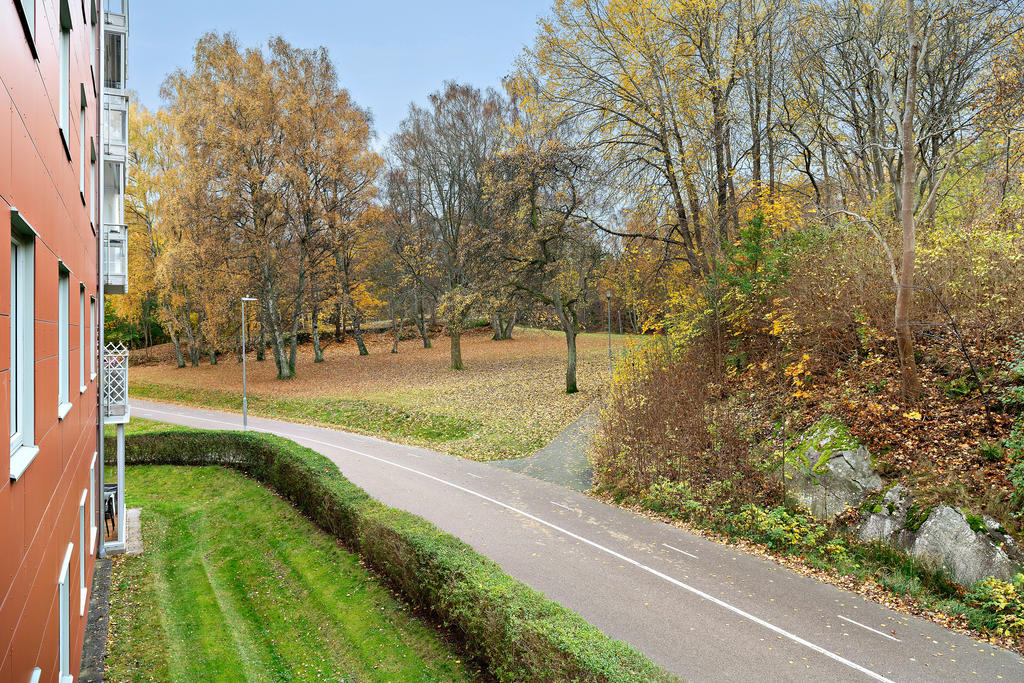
(474, 475)
(857, 623)
(561, 506)
(679, 551)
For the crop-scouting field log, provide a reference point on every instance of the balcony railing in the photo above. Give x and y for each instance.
(115, 382)
(115, 13)
(115, 258)
(115, 126)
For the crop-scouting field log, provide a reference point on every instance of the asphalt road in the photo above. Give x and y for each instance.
(703, 610)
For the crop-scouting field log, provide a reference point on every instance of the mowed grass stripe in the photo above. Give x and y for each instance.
(235, 585)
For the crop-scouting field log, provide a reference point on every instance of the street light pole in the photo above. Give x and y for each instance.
(608, 298)
(245, 403)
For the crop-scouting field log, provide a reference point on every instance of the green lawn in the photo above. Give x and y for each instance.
(235, 585)
(508, 402)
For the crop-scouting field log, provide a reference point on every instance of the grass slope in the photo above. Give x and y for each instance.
(236, 585)
(509, 402)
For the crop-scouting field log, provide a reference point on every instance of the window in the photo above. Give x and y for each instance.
(92, 501)
(27, 11)
(81, 147)
(92, 179)
(83, 591)
(22, 353)
(64, 622)
(63, 292)
(81, 339)
(92, 337)
(65, 73)
(113, 65)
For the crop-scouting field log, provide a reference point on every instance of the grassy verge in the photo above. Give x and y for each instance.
(363, 416)
(992, 609)
(234, 584)
(515, 631)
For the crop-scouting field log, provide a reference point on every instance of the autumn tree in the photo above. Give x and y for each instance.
(274, 153)
(442, 150)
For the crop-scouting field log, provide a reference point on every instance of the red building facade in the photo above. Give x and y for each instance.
(50, 106)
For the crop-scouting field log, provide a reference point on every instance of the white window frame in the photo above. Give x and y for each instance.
(92, 338)
(81, 338)
(63, 341)
(92, 182)
(22, 349)
(64, 620)
(82, 589)
(93, 529)
(64, 25)
(81, 147)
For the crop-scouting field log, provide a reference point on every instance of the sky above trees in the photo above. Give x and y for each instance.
(387, 53)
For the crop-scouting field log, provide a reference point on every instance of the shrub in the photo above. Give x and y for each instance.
(518, 633)
(1003, 603)
(662, 427)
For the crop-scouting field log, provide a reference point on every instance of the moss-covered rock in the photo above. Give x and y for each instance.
(827, 469)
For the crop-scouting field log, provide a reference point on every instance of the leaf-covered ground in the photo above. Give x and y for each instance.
(508, 402)
(235, 585)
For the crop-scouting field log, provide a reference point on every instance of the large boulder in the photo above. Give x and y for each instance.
(829, 470)
(888, 520)
(969, 552)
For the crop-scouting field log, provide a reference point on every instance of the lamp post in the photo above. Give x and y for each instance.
(245, 404)
(608, 298)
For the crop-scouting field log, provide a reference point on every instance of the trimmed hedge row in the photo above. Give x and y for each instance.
(516, 631)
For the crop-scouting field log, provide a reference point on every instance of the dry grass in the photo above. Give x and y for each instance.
(511, 391)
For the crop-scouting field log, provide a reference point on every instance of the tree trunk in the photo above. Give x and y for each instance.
(496, 326)
(456, 336)
(318, 352)
(506, 332)
(911, 383)
(357, 331)
(397, 323)
(421, 322)
(261, 348)
(277, 341)
(213, 356)
(338, 331)
(177, 349)
(570, 325)
(238, 343)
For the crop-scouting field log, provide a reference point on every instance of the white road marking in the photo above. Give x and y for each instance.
(857, 623)
(696, 591)
(474, 475)
(680, 551)
(561, 506)
(412, 455)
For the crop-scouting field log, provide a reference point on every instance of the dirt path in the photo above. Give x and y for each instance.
(563, 461)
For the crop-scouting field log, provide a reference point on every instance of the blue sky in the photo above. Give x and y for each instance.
(388, 53)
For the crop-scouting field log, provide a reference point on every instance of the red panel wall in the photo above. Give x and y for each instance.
(39, 512)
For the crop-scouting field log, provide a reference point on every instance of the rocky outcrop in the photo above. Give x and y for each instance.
(829, 470)
(888, 520)
(969, 548)
(967, 552)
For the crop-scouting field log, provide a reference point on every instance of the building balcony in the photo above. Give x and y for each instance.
(115, 126)
(115, 14)
(115, 384)
(115, 258)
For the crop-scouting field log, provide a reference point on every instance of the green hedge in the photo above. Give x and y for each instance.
(516, 631)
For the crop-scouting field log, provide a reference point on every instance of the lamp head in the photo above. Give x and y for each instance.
(248, 298)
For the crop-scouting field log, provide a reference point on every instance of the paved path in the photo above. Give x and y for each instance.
(703, 610)
(564, 461)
